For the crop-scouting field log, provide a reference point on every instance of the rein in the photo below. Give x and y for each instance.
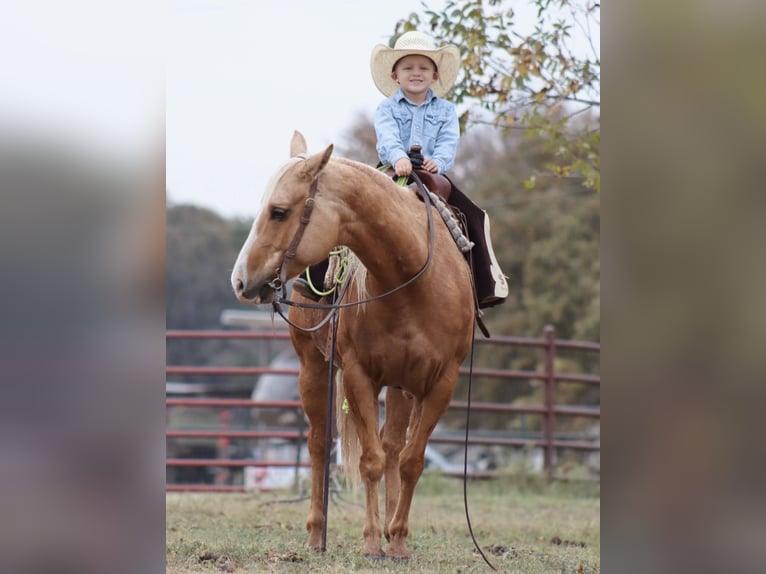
(279, 282)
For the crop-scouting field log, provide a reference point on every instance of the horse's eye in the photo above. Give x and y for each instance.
(279, 213)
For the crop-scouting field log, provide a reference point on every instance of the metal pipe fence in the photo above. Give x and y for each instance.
(548, 410)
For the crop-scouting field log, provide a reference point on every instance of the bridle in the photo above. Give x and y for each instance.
(278, 283)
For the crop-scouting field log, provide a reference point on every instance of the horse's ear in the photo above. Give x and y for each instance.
(313, 165)
(297, 144)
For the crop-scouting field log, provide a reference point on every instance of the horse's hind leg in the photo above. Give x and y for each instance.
(426, 414)
(394, 436)
(312, 383)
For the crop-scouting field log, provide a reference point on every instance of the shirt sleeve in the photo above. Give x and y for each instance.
(389, 146)
(446, 142)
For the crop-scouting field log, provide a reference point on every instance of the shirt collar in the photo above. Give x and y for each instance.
(399, 96)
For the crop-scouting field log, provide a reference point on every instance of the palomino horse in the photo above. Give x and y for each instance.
(411, 341)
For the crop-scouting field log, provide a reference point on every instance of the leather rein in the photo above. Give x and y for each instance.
(278, 283)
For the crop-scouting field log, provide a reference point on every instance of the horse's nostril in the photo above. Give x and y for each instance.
(240, 286)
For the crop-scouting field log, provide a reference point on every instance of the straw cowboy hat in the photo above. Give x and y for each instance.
(446, 58)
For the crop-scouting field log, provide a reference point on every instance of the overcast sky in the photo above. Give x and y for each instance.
(90, 73)
(233, 78)
(242, 75)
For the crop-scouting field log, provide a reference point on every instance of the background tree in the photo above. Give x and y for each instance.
(201, 249)
(545, 81)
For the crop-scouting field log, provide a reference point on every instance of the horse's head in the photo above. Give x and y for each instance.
(264, 263)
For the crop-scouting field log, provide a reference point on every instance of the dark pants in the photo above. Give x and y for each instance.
(478, 257)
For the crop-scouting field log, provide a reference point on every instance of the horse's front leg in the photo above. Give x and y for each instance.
(363, 410)
(394, 436)
(312, 382)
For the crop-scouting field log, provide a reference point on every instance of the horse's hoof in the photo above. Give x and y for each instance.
(399, 559)
(375, 557)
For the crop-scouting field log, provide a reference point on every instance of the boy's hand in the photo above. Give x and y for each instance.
(403, 167)
(430, 165)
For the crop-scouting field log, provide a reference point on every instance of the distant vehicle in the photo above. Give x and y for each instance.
(275, 387)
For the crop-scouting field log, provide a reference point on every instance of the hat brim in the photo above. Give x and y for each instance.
(383, 58)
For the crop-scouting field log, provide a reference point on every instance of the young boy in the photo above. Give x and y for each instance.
(414, 76)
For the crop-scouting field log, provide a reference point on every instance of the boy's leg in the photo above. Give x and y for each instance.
(491, 285)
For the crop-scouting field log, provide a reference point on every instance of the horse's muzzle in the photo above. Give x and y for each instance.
(254, 293)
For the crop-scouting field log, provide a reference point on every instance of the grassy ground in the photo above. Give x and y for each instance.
(522, 525)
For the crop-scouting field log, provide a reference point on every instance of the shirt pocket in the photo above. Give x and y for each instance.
(436, 119)
(404, 121)
(433, 123)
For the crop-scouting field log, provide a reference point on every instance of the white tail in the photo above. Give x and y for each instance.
(350, 447)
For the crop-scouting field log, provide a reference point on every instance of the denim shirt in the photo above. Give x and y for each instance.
(433, 125)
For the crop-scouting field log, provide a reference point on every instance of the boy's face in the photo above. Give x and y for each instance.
(415, 74)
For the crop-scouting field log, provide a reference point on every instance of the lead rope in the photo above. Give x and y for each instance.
(465, 454)
(328, 432)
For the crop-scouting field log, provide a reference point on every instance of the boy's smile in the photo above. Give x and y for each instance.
(415, 74)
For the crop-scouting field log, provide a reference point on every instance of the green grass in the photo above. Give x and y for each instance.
(523, 526)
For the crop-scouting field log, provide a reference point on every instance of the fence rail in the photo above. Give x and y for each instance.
(548, 410)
